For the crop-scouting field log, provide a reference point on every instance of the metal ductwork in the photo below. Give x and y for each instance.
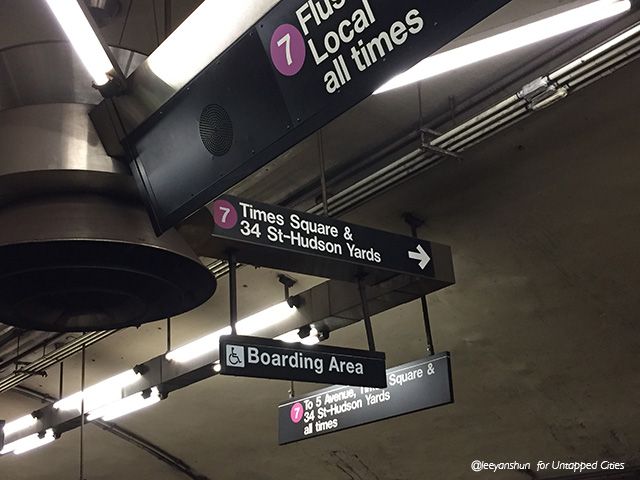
(77, 249)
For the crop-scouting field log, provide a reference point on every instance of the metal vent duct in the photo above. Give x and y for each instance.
(77, 250)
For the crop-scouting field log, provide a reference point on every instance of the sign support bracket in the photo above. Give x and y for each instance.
(287, 283)
(323, 176)
(366, 316)
(233, 292)
(168, 336)
(415, 222)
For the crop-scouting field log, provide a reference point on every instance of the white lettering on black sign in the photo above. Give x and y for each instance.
(320, 246)
(411, 387)
(267, 358)
(298, 360)
(355, 30)
(293, 231)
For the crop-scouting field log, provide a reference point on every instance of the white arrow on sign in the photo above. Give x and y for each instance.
(421, 255)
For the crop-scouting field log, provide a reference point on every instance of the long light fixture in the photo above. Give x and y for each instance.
(104, 400)
(204, 35)
(252, 324)
(107, 391)
(34, 443)
(28, 443)
(18, 424)
(127, 405)
(83, 38)
(508, 41)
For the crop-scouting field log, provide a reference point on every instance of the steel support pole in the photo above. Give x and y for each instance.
(365, 315)
(233, 293)
(414, 223)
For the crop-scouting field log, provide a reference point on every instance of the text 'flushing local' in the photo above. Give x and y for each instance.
(353, 47)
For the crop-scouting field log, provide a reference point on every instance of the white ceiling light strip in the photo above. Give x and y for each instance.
(126, 405)
(202, 37)
(508, 41)
(618, 45)
(19, 424)
(84, 40)
(209, 343)
(103, 393)
(28, 443)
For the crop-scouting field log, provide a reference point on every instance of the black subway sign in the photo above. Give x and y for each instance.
(300, 66)
(276, 237)
(265, 358)
(343, 49)
(411, 387)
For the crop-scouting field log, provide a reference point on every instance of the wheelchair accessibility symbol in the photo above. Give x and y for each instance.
(235, 356)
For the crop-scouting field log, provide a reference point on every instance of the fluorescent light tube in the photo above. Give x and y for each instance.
(252, 324)
(83, 39)
(197, 348)
(107, 391)
(508, 41)
(595, 52)
(125, 406)
(18, 424)
(264, 319)
(28, 443)
(203, 36)
(33, 441)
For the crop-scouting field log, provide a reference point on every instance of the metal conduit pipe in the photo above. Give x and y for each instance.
(50, 338)
(480, 124)
(27, 340)
(52, 358)
(480, 118)
(608, 68)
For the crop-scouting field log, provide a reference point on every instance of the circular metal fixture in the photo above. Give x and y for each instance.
(89, 262)
(216, 130)
(77, 248)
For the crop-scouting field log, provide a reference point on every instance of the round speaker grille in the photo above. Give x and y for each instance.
(216, 130)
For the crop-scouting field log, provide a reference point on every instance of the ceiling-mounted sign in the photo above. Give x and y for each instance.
(302, 65)
(276, 237)
(244, 356)
(411, 387)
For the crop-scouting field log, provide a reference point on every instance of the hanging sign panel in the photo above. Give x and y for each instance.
(276, 237)
(410, 388)
(302, 65)
(244, 356)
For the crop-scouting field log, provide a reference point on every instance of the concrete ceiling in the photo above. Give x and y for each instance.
(541, 324)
